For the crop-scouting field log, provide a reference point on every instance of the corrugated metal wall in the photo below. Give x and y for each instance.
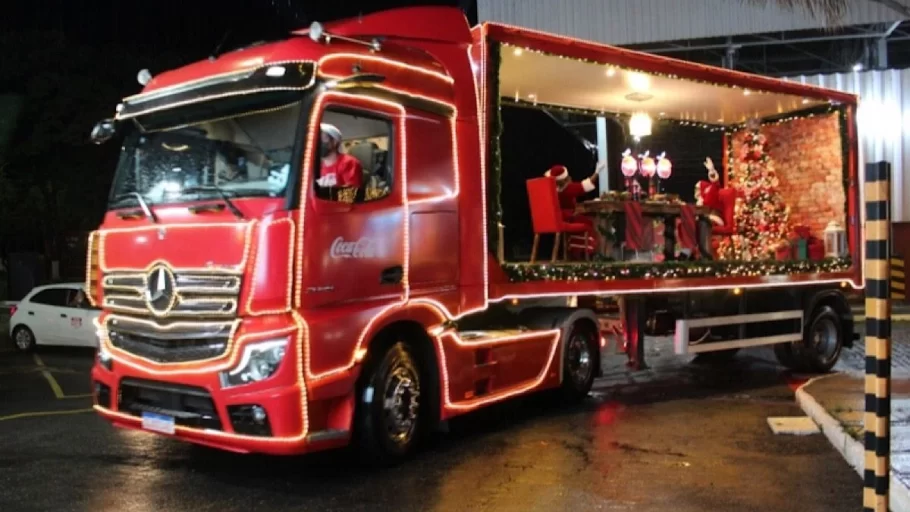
(623, 22)
(884, 111)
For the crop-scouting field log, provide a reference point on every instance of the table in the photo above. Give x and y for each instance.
(665, 210)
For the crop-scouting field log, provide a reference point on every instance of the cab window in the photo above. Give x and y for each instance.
(355, 157)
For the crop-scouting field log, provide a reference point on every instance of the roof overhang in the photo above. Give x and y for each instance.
(544, 69)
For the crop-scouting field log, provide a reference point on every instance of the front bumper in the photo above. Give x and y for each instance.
(205, 413)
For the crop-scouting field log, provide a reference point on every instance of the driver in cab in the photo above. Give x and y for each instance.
(338, 169)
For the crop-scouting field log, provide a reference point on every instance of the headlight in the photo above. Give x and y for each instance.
(259, 362)
(104, 359)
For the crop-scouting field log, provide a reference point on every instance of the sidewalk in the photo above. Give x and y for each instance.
(836, 404)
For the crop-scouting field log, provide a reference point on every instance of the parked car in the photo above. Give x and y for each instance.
(57, 314)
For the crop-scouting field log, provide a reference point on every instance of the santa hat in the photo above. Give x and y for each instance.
(332, 131)
(558, 172)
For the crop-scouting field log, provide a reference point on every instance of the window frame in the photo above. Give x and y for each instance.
(389, 120)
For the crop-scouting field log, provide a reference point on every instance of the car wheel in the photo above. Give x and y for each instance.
(390, 408)
(23, 338)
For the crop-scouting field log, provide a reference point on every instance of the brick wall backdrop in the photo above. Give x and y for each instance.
(807, 156)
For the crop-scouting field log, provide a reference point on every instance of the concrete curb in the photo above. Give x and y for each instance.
(851, 449)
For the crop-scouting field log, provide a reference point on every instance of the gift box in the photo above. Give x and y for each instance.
(783, 253)
(799, 242)
(816, 249)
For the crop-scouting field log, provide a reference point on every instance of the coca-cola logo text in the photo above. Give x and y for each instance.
(363, 248)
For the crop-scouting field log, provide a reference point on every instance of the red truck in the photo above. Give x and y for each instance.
(304, 246)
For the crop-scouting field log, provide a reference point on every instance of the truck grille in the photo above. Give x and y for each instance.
(174, 342)
(195, 294)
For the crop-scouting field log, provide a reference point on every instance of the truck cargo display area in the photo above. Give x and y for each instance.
(755, 213)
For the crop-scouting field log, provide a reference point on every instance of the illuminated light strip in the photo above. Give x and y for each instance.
(442, 102)
(198, 367)
(88, 269)
(247, 70)
(175, 311)
(308, 166)
(235, 269)
(640, 55)
(216, 96)
(482, 133)
(139, 290)
(304, 409)
(453, 121)
(289, 301)
(394, 63)
(212, 97)
(511, 296)
(496, 397)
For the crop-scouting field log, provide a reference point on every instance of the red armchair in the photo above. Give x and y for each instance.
(547, 217)
(727, 198)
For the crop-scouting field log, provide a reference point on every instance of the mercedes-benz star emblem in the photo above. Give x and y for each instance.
(160, 292)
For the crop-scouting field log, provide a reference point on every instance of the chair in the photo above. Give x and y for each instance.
(727, 198)
(546, 217)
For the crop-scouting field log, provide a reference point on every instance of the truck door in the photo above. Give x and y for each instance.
(354, 246)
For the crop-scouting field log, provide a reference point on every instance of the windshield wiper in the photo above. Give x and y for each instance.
(142, 204)
(215, 188)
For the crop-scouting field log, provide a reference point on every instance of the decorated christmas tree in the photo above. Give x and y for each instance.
(761, 215)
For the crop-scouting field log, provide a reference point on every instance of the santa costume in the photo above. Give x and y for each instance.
(569, 191)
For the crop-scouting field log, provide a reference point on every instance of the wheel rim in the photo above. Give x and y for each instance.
(824, 338)
(580, 359)
(401, 404)
(23, 339)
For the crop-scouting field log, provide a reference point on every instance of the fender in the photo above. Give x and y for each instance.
(561, 318)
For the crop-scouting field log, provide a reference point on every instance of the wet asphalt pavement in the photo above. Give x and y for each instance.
(678, 437)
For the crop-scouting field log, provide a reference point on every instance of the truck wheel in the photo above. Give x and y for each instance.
(580, 362)
(823, 340)
(389, 407)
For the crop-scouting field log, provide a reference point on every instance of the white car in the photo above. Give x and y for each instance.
(57, 314)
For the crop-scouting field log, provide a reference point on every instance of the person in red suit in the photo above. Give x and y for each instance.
(569, 192)
(338, 169)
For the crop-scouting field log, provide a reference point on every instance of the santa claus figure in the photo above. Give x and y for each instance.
(569, 192)
(707, 193)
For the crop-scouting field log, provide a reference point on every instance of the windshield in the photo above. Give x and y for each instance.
(244, 155)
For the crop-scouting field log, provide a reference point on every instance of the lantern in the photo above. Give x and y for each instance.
(629, 164)
(647, 165)
(664, 167)
(835, 240)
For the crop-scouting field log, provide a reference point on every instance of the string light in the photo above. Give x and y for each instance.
(91, 269)
(612, 271)
(264, 241)
(363, 57)
(300, 440)
(192, 367)
(499, 395)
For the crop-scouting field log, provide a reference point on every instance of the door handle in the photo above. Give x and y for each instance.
(392, 275)
(31, 313)
(62, 315)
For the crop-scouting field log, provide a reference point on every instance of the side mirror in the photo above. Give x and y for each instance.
(103, 131)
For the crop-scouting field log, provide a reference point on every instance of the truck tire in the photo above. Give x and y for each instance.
(823, 340)
(581, 357)
(785, 356)
(389, 417)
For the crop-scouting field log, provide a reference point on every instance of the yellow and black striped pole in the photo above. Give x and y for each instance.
(876, 476)
(898, 290)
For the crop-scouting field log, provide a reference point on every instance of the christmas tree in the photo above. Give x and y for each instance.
(761, 216)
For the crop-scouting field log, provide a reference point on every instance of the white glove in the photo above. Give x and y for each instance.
(328, 180)
(279, 179)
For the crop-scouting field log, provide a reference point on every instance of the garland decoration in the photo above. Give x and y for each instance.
(494, 180)
(612, 271)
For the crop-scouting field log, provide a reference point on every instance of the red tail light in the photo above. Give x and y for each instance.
(12, 310)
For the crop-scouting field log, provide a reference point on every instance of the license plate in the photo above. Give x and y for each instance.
(158, 422)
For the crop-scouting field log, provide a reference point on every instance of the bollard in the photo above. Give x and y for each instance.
(898, 290)
(877, 418)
